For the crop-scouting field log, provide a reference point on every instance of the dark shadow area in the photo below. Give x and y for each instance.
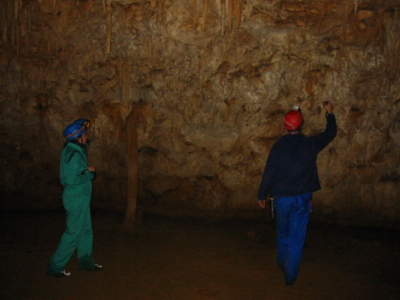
(183, 258)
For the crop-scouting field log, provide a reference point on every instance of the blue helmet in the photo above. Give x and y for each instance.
(85, 122)
(74, 131)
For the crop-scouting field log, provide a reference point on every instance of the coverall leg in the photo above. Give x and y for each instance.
(85, 244)
(292, 215)
(77, 236)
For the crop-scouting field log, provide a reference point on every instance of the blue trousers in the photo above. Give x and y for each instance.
(292, 215)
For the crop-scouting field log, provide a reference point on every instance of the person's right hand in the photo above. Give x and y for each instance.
(328, 106)
(92, 169)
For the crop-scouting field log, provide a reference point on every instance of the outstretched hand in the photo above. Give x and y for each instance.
(328, 106)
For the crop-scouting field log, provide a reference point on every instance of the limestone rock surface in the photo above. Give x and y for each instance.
(208, 82)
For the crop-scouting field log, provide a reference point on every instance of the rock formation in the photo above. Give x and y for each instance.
(208, 82)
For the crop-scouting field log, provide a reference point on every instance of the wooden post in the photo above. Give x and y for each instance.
(132, 163)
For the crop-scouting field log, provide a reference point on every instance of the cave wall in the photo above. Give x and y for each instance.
(207, 83)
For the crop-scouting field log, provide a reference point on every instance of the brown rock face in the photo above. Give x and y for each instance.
(206, 84)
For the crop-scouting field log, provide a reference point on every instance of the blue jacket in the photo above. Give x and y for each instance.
(291, 167)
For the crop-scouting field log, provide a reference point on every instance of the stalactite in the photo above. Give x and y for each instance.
(230, 13)
(381, 33)
(132, 163)
(27, 29)
(195, 10)
(137, 116)
(3, 23)
(142, 112)
(348, 10)
(13, 25)
(108, 26)
(17, 4)
(103, 2)
(150, 51)
(26, 38)
(5, 34)
(320, 20)
(112, 109)
(123, 17)
(222, 3)
(89, 61)
(163, 12)
(203, 19)
(28, 16)
(8, 14)
(18, 37)
(48, 38)
(124, 76)
(238, 12)
(356, 6)
(392, 50)
(378, 35)
(147, 50)
(153, 3)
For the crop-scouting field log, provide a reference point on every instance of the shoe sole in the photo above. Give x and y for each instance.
(95, 268)
(61, 275)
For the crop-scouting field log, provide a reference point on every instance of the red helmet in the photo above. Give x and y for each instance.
(292, 120)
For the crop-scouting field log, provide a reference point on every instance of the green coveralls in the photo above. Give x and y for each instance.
(77, 182)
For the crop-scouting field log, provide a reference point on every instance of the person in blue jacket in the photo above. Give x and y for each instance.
(76, 175)
(290, 177)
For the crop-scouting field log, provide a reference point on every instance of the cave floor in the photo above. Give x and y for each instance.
(179, 258)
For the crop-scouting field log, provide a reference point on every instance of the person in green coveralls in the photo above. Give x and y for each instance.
(76, 176)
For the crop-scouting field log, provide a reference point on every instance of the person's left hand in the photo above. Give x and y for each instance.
(261, 203)
(92, 168)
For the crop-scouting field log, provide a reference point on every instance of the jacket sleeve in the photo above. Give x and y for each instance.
(76, 170)
(324, 138)
(267, 176)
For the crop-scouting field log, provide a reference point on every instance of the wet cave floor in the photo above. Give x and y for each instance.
(179, 258)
